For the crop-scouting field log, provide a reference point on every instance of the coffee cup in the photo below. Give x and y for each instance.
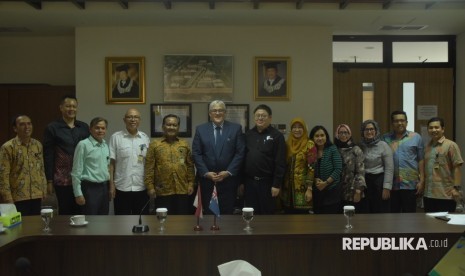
(78, 219)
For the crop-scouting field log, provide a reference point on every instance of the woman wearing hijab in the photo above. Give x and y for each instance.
(379, 168)
(353, 170)
(301, 156)
(326, 187)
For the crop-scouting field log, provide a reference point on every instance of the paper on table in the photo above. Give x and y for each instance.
(456, 219)
(437, 214)
(238, 268)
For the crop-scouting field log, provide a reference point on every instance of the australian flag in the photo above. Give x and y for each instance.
(214, 206)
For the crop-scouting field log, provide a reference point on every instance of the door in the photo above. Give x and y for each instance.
(433, 87)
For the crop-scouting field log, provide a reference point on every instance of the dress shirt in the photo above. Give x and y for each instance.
(90, 163)
(440, 161)
(60, 141)
(22, 174)
(169, 168)
(408, 151)
(266, 155)
(129, 153)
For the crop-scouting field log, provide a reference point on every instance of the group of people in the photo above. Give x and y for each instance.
(382, 173)
(259, 169)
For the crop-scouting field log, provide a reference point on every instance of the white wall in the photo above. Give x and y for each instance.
(37, 60)
(308, 47)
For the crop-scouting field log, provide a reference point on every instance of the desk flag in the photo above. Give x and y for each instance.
(214, 206)
(198, 204)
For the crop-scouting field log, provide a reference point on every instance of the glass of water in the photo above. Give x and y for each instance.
(46, 214)
(247, 215)
(162, 214)
(349, 212)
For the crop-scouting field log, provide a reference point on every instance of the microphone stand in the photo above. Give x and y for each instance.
(140, 228)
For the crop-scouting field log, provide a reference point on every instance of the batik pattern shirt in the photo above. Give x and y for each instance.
(22, 174)
(407, 152)
(169, 168)
(440, 160)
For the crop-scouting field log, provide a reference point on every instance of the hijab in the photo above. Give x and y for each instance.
(349, 143)
(295, 145)
(377, 136)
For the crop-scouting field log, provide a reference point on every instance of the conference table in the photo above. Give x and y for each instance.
(378, 244)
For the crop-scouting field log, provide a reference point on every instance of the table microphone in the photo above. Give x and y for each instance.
(141, 228)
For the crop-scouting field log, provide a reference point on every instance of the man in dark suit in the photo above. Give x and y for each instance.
(218, 150)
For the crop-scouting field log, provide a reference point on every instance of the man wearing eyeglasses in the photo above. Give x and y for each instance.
(128, 149)
(409, 175)
(265, 163)
(218, 151)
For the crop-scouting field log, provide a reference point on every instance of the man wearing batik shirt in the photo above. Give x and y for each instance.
(22, 176)
(409, 176)
(60, 140)
(442, 170)
(169, 169)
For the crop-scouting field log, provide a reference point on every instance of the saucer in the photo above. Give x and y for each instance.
(79, 225)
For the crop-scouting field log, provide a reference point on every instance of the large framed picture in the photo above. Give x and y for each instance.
(197, 78)
(125, 80)
(237, 113)
(159, 111)
(272, 78)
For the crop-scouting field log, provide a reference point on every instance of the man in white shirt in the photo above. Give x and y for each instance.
(128, 149)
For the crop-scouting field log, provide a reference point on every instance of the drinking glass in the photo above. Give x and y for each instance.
(247, 215)
(162, 214)
(349, 212)
(46, 214)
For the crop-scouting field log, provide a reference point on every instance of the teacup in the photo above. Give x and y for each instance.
(78, 219)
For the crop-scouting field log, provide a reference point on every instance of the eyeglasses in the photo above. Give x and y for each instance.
(261, 116)
(400, 121)
(132, 117)
(343, 133)
(369, 129)
(217, 111)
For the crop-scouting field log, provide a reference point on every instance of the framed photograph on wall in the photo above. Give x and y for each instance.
(183, 111)
(197, 78)
(237, 113)
(272, 78)
(125, 80)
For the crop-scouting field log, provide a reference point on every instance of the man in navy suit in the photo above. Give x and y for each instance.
(218, 150)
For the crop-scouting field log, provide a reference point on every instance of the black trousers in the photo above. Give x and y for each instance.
(257, 194)
(439, 205)
(66, 201)
(176, 204)
(130, 203)
(30, 207)
(374, 193)
(97, 198)
(403, 201)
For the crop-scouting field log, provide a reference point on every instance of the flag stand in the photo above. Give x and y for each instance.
(198, 227)
(214, 227)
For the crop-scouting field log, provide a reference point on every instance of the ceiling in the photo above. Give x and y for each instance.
(354, 17)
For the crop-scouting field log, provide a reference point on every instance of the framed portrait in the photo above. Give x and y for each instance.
(237, 113)
(159, 111)
(125, 80)
(272, 78)
(197, 78)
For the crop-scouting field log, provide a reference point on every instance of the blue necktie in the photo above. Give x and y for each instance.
(217, 139)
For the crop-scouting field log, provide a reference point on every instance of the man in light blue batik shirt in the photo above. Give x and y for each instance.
(409, 176)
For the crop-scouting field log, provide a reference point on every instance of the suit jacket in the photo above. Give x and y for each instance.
(231, 150)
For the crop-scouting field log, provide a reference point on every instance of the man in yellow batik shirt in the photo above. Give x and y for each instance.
(169, 169)
(22, 174)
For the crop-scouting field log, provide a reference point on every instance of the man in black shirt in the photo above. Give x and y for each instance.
(265, 163)
(60, 140)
